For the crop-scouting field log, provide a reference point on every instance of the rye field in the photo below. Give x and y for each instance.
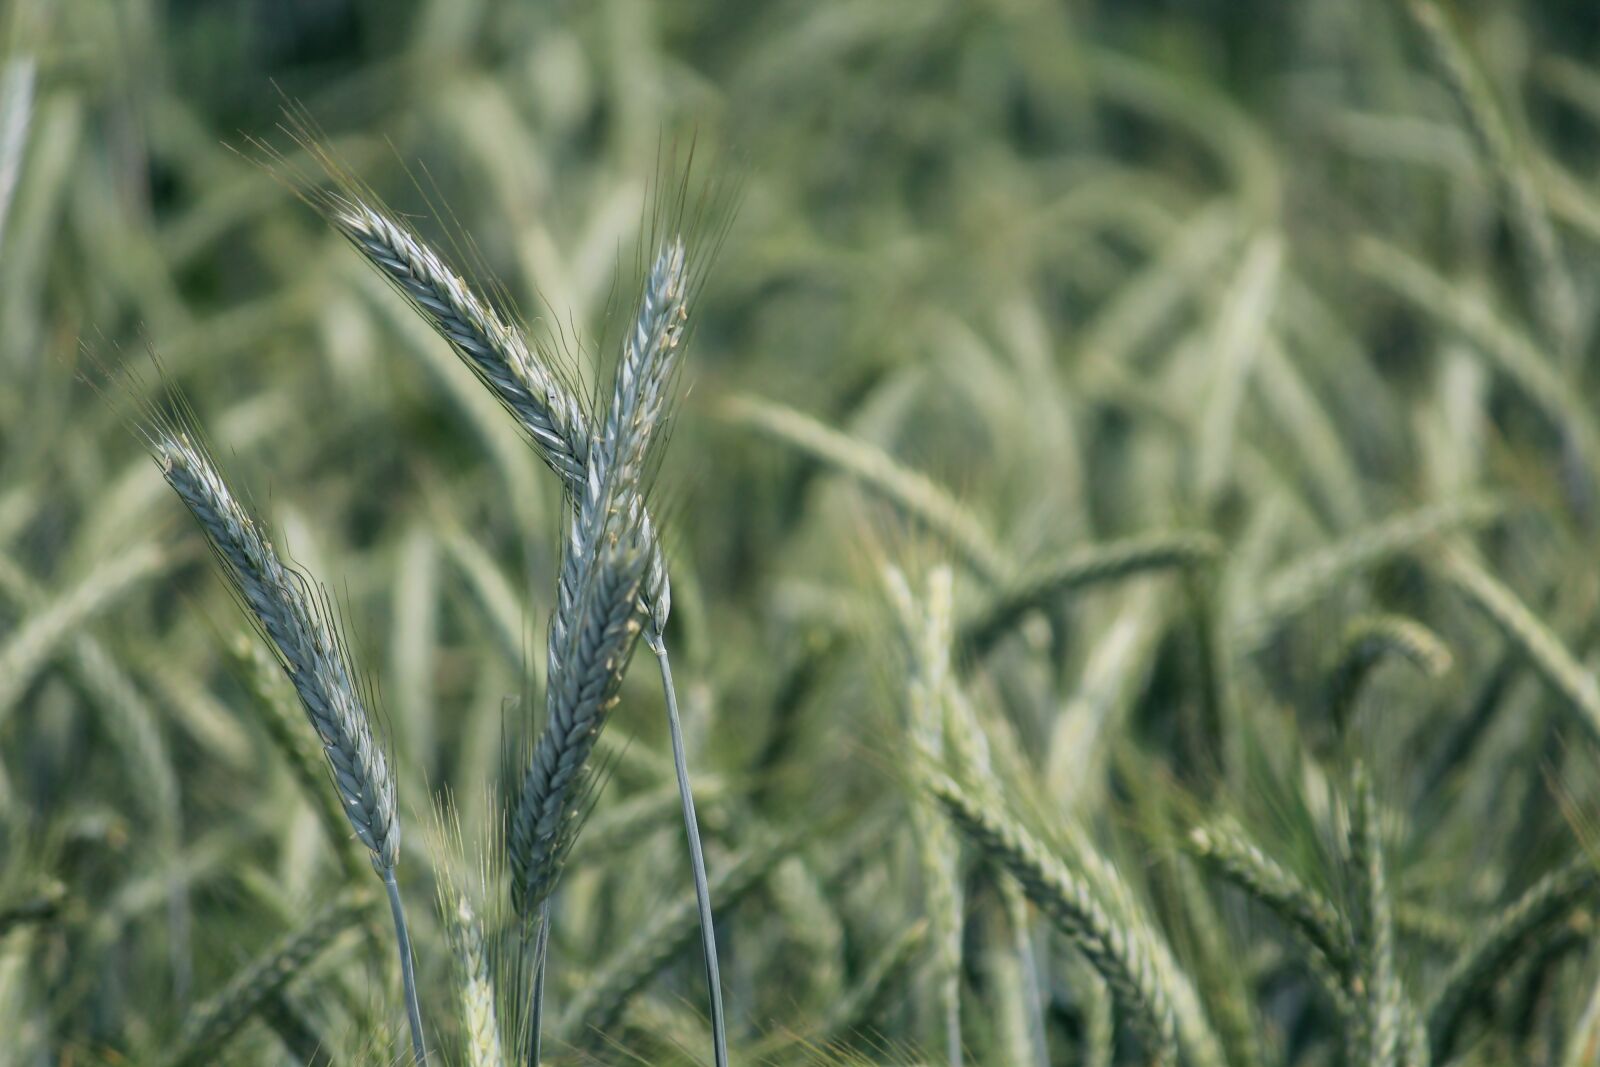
(826, 533)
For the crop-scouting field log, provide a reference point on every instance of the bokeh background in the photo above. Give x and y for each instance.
(1307, 288)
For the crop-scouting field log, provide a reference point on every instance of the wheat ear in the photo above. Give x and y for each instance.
(522, 378)
(600, 612)
(592, 635)
(219, 1018)
(1505, 935)
(1310, 915)
(927, 635)
(299, 625)
(1367, 640)
(1380, 1011)
(477, 991)
(641, 395)
(495, 352)
(1120, 954)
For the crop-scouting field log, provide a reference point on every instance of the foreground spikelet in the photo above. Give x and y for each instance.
(592, 635)
(497, 353)
(300, 629)
(605, 565)
(280, 601)
(476, 988)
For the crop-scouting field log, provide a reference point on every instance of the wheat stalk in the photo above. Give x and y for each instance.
(1300, 582)
(53, 622)
(16, 108)
(1122, 955)
(926, 630)
(1504, 343)
(1555, 295)
(300, 626)
(549, 412)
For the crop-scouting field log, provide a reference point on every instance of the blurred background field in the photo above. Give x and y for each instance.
(1211, 345)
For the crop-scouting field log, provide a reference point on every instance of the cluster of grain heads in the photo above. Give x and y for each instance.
(298, 621)
(131, 720)
(614, 585)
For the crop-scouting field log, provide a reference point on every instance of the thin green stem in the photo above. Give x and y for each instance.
(691, 827)
(540, 955)
(402, 934)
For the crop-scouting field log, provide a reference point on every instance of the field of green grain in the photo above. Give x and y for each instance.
(1119, 483)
